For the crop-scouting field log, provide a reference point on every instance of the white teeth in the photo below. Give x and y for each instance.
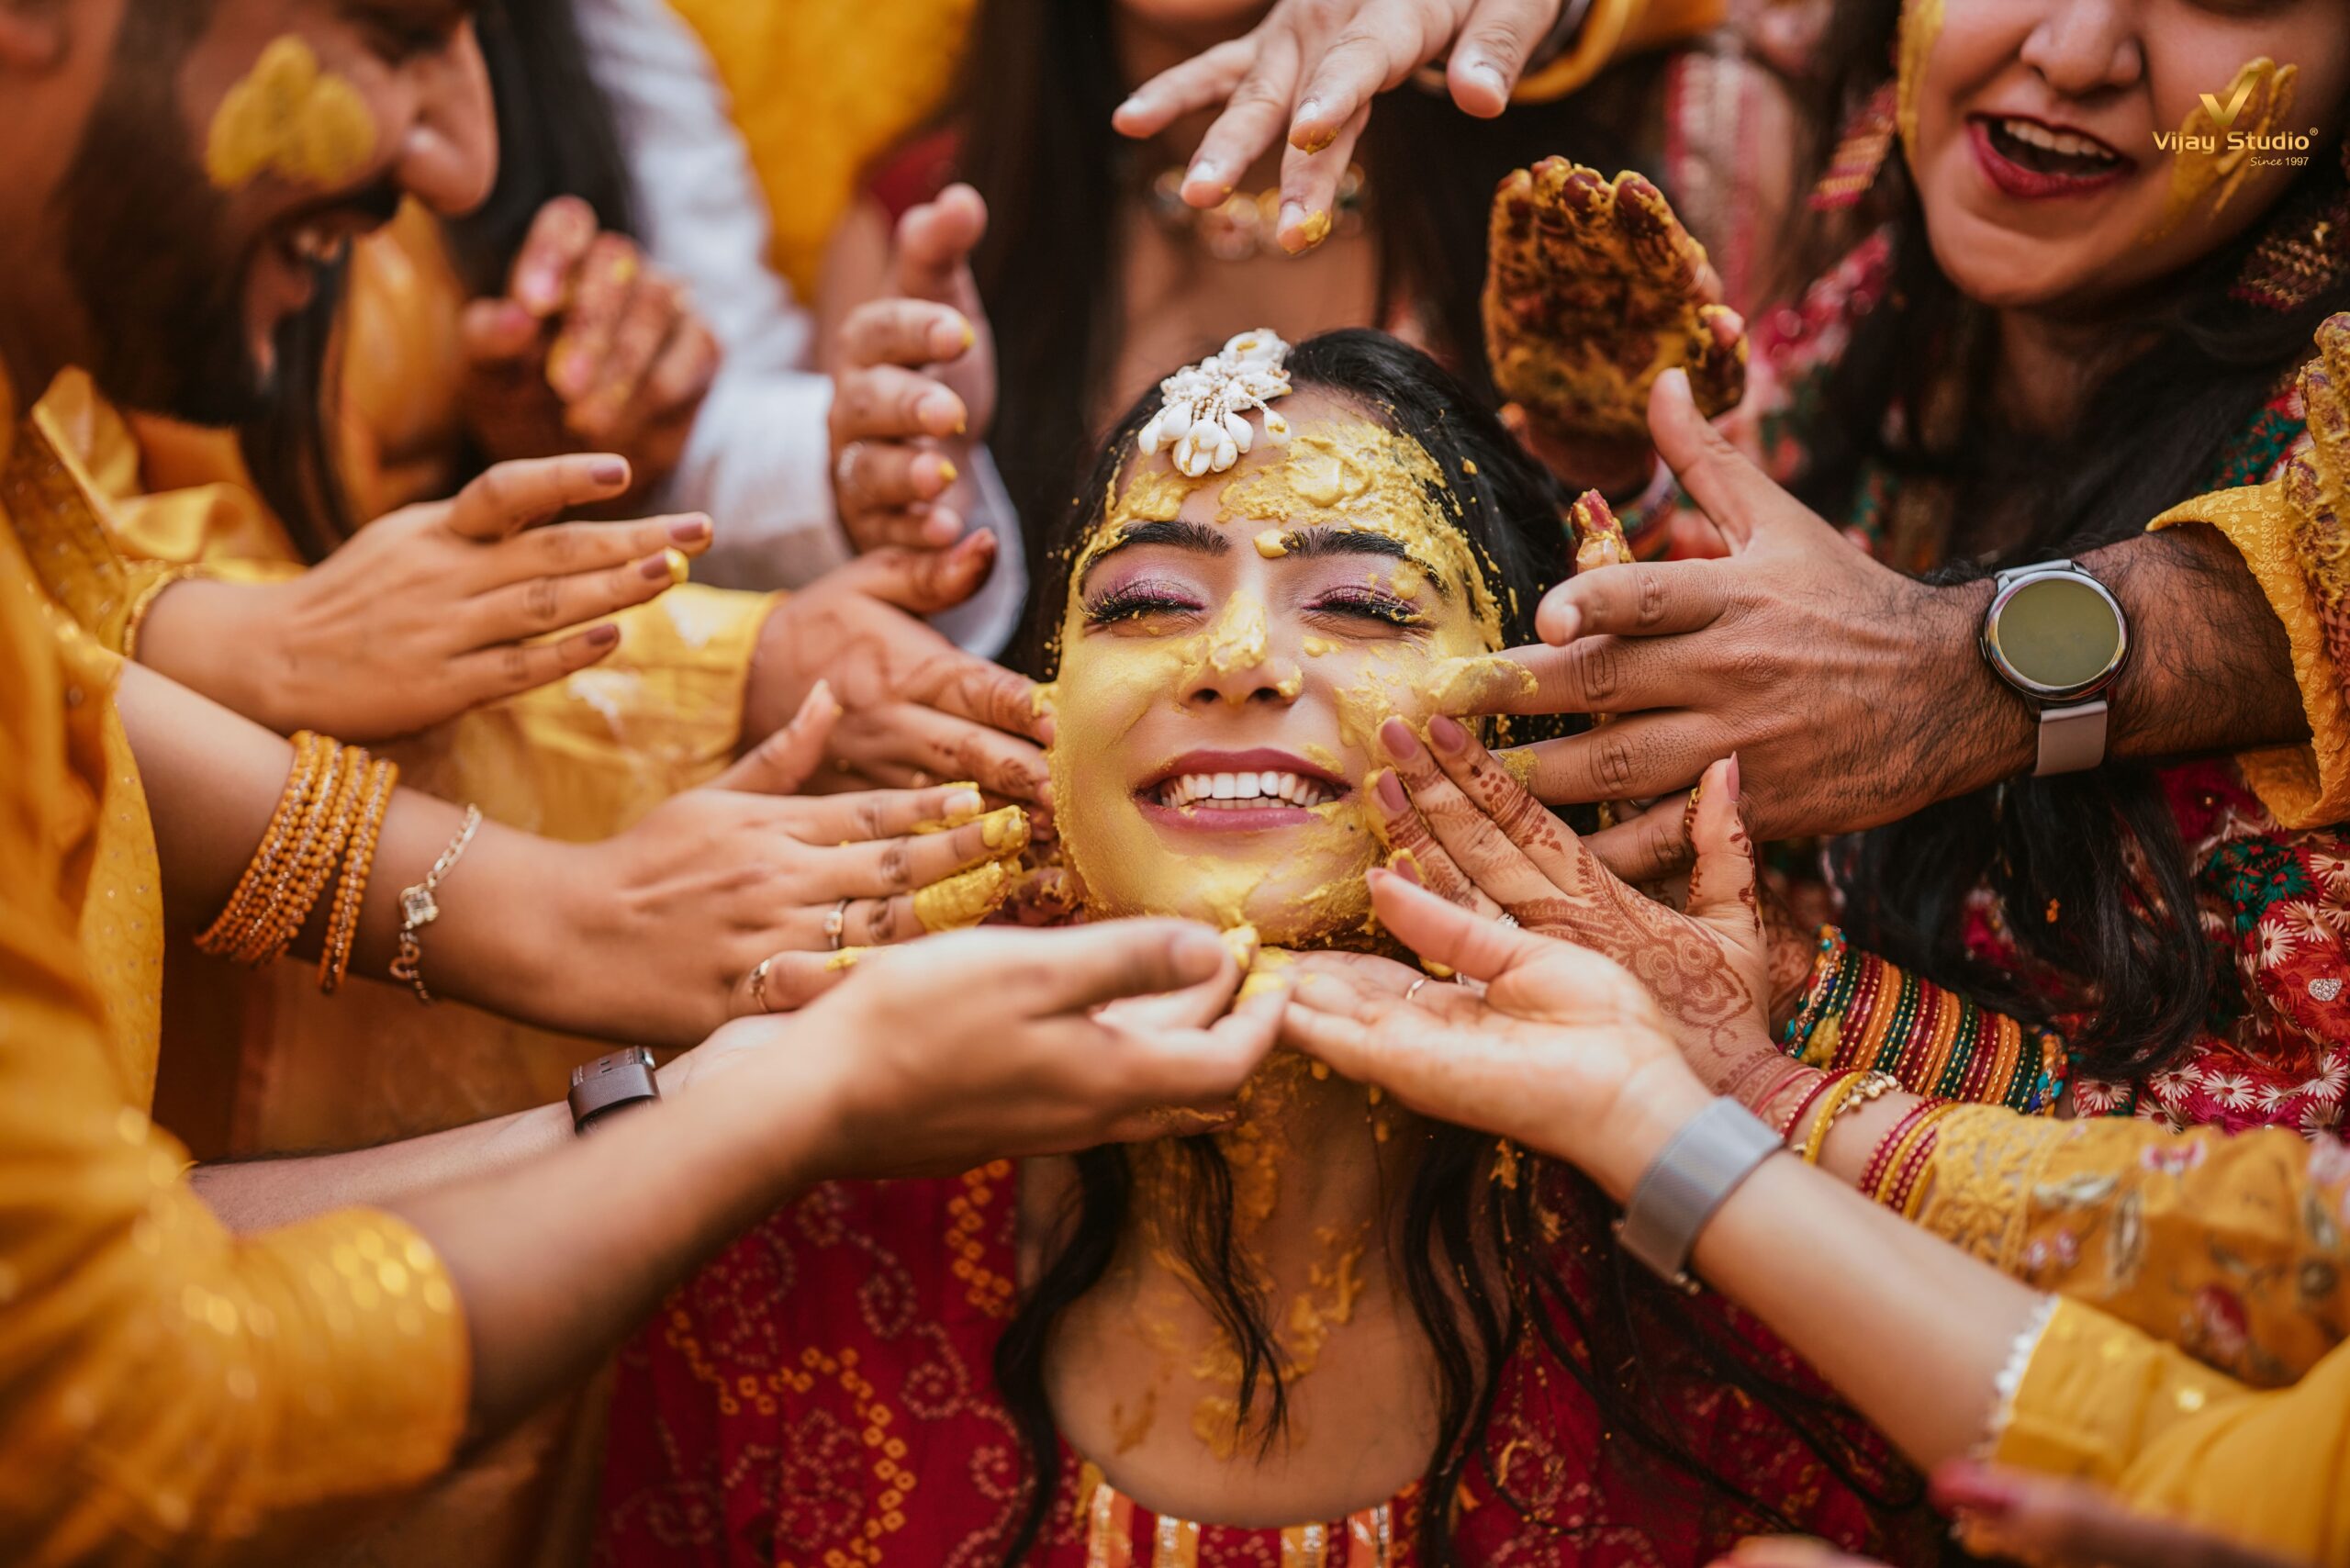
(1242, 789)
(2063, 143)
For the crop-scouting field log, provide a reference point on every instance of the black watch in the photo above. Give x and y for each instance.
(2059, 639)
(610, 1084)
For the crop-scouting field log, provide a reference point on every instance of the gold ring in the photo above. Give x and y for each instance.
(836, 922)
(759, 984)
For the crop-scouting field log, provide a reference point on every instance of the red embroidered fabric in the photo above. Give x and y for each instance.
(822, 1394)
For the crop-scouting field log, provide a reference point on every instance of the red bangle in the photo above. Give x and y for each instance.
(1827, 1081)
(1913, 1170)
(1882, 1155)
(1778, 1087)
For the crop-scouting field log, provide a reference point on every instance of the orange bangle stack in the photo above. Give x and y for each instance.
(327, 816)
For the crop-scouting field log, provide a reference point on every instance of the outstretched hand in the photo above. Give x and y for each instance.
(1466, 829)
(1564, 1051)
(918, 709)
(1852, 695)
(590, 347)
(914, 382)
(1310, 69)
(1593, 290)
(431, 611)
(1090, 1035)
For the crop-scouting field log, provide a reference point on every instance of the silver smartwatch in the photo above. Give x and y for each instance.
(2056, 636)
(610, 1084)
(1694, 1174)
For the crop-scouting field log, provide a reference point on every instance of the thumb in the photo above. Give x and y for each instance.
(1093, 965)
(924, 582)
(496, 332)
(1738, 497)
(1436, 928)
(934, 244)
(1721, 885)
(782, 763)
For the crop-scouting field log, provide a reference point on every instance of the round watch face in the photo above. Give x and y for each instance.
(2059, 635)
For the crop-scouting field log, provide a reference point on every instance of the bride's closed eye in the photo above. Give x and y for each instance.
(1361, 604)
(1141, 600)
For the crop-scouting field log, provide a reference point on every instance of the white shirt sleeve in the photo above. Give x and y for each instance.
(759, 458)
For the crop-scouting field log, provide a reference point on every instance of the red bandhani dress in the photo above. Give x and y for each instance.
(821, 1395)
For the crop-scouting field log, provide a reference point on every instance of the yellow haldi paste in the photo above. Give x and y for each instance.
(291, 118)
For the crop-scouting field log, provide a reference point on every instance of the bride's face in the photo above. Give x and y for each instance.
(1230, 647)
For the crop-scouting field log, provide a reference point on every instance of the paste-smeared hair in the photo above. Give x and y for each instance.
(1492, 1271)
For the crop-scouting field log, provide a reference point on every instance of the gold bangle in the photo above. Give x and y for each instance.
(342, 920)
(230, 929)
(291, 895)
(335, 827)
(1850, 1094)
(420, 908)
(134, 620)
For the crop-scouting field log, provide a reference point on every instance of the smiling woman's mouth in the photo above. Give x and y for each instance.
(1229, 791)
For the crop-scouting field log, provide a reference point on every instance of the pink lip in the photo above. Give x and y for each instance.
(2014, 180)
(1233, 819)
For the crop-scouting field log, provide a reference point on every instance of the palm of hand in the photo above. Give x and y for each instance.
(1593, 291)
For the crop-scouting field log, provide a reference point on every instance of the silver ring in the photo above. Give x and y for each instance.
(1413, 990)
(759, 984)
(1508, 919)
(836, 922)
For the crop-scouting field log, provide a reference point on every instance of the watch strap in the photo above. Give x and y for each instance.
(2072, 740)
(612, 1083)
(1694, 1174)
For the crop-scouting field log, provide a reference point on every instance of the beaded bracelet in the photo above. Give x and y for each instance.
(326, 823)
(246, 903)
(343, 922)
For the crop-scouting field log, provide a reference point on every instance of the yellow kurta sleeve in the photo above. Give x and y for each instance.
(166, 1389)
(2290, 533)
(2236, 1248)
(2303, 786)
(2104, 1402)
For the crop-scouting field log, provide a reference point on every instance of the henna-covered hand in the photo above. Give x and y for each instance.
(1594, 289)
(1471, 833)
(1562, 1050)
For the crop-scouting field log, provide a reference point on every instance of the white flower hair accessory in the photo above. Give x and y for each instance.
(1203, 417)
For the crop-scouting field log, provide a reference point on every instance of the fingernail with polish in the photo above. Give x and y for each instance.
(1729, 781)
(1447, 733)
(608, 471)
(603, 636)
(1390, 790)
(689, 530)
(1396, 736)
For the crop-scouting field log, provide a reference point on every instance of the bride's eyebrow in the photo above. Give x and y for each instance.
(1324, 538)
(1179, 532)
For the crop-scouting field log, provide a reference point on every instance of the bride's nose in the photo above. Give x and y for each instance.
(1237, 662)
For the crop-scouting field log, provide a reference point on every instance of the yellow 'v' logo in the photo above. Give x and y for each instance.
(2223, 118)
